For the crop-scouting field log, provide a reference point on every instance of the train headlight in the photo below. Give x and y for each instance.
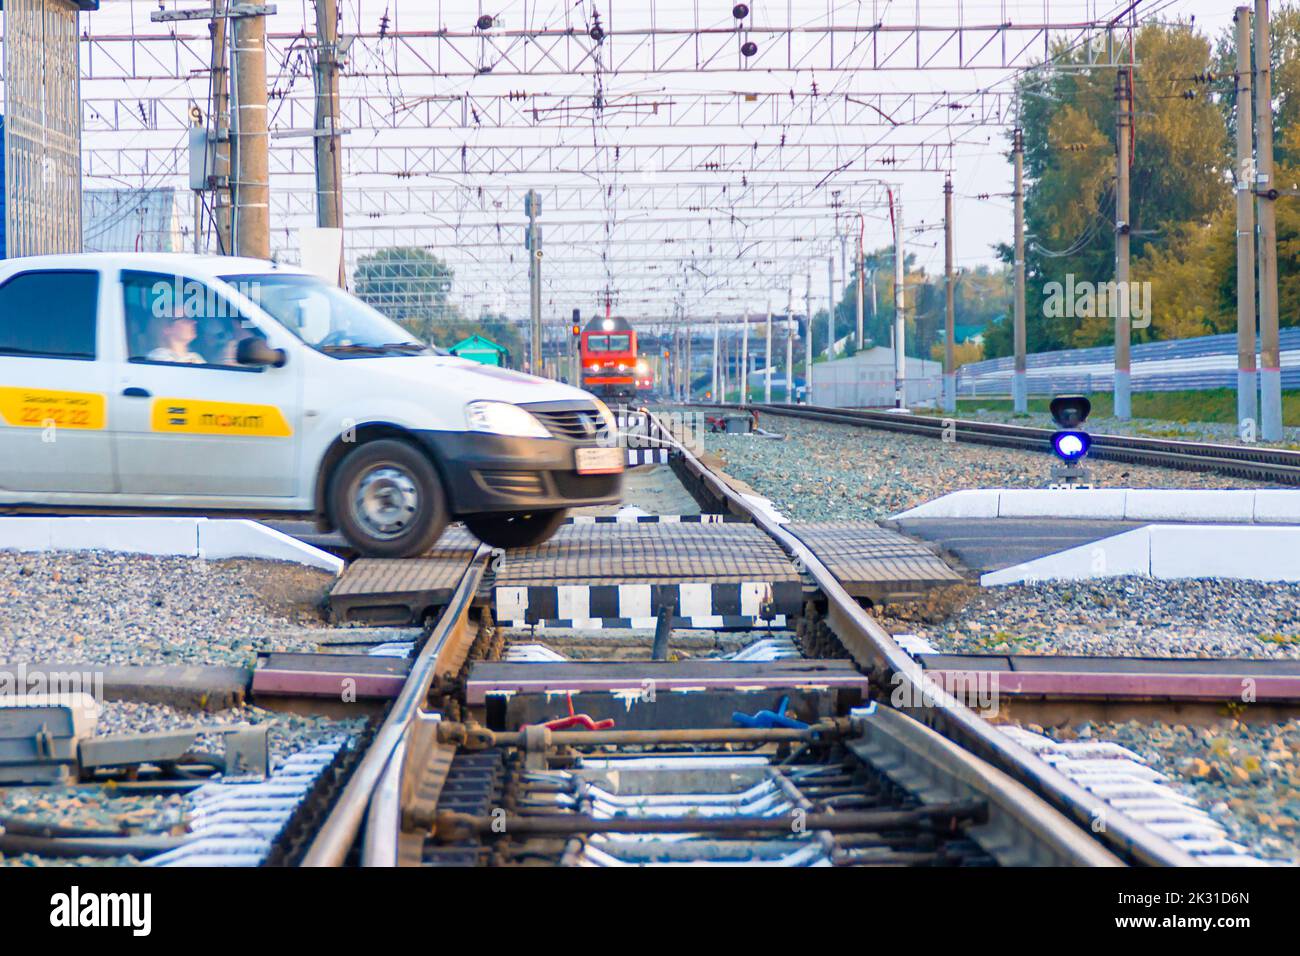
(1071, 446)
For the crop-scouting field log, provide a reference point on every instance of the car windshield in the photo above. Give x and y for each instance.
(326, 317)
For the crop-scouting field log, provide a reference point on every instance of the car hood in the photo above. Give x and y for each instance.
(471, 381)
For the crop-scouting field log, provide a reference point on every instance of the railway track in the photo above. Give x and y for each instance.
(925, 781)
(1274, 465)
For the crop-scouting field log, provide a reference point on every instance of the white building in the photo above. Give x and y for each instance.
(134, 220)
(866, 380)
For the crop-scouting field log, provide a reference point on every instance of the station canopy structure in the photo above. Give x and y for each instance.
(690, 156)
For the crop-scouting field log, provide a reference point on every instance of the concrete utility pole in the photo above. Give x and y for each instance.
(789, 345)
(744, 361)
(830, 308)
(862, 278)
(1019, 379)
(713, 391)
(219, 125)
(767, 358)
(1123, 330)
(252, 178)
(675, 363)
(807, 345)
(329, 153)
(1247, 407)
(900, 325)
(533, 209)
(949, 322)
(1270, 358)
(687, 370)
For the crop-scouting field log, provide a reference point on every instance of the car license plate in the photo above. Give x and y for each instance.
(599, 461)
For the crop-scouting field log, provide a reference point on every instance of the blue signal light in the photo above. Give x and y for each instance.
(1071, 446)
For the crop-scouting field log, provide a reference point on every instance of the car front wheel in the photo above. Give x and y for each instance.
(516, 530)
(387, 501)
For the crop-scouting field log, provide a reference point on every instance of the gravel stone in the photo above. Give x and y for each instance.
(1245, 775)
(1128, 616)
(830, 472)
(104, 608)
(107, 808)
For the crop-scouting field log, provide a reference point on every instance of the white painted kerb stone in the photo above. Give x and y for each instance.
(182, 537)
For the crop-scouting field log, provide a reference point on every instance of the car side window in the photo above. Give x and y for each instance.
(49, 314)
(172, 320)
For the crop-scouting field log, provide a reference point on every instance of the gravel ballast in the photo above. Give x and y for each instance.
(830, 472)
(1123, 617)
(1245, 775)
(107, 608)
(109, 808)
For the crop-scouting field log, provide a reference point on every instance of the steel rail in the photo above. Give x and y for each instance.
(919, 696)
(342, 827)
(1240, 461)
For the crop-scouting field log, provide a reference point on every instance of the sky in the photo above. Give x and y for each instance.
(491, 276)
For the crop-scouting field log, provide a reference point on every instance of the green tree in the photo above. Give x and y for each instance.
(1180, 158)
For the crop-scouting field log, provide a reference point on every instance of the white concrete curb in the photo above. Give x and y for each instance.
(1170, 551)
(1264, 506)
(211, 538)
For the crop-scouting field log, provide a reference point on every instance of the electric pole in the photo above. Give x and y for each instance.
(220, 127)
(1270, 358)
(744, 361)
(807, 344)
(689, 356)
(949, 324)
(830, 309)
(533, 209)
(789, 345)
(1123, 329)
(1247, 409)
(252, 192)
(900, 327)
(767, 358)
(716, 367)
(329, 157)
(1019, 379)
(862, 276)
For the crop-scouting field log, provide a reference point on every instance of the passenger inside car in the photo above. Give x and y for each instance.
(175, 333)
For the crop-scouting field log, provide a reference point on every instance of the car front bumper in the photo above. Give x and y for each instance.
(489, 474)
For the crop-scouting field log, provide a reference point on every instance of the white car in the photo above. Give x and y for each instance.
(200, 384)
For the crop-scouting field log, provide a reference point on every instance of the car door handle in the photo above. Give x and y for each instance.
(134, 392)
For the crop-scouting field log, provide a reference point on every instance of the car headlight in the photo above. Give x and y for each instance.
(502, 418)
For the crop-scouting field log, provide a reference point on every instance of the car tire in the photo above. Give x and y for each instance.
(386, 499)
(517, 529)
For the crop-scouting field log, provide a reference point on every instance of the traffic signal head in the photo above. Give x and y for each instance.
(1071, 446)
(1070, 411)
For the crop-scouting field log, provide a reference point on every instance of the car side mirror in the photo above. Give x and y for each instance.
(255, 351)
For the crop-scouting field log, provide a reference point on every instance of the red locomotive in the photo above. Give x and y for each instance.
(609, 361)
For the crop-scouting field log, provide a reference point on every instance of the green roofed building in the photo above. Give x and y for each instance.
(478, 349)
